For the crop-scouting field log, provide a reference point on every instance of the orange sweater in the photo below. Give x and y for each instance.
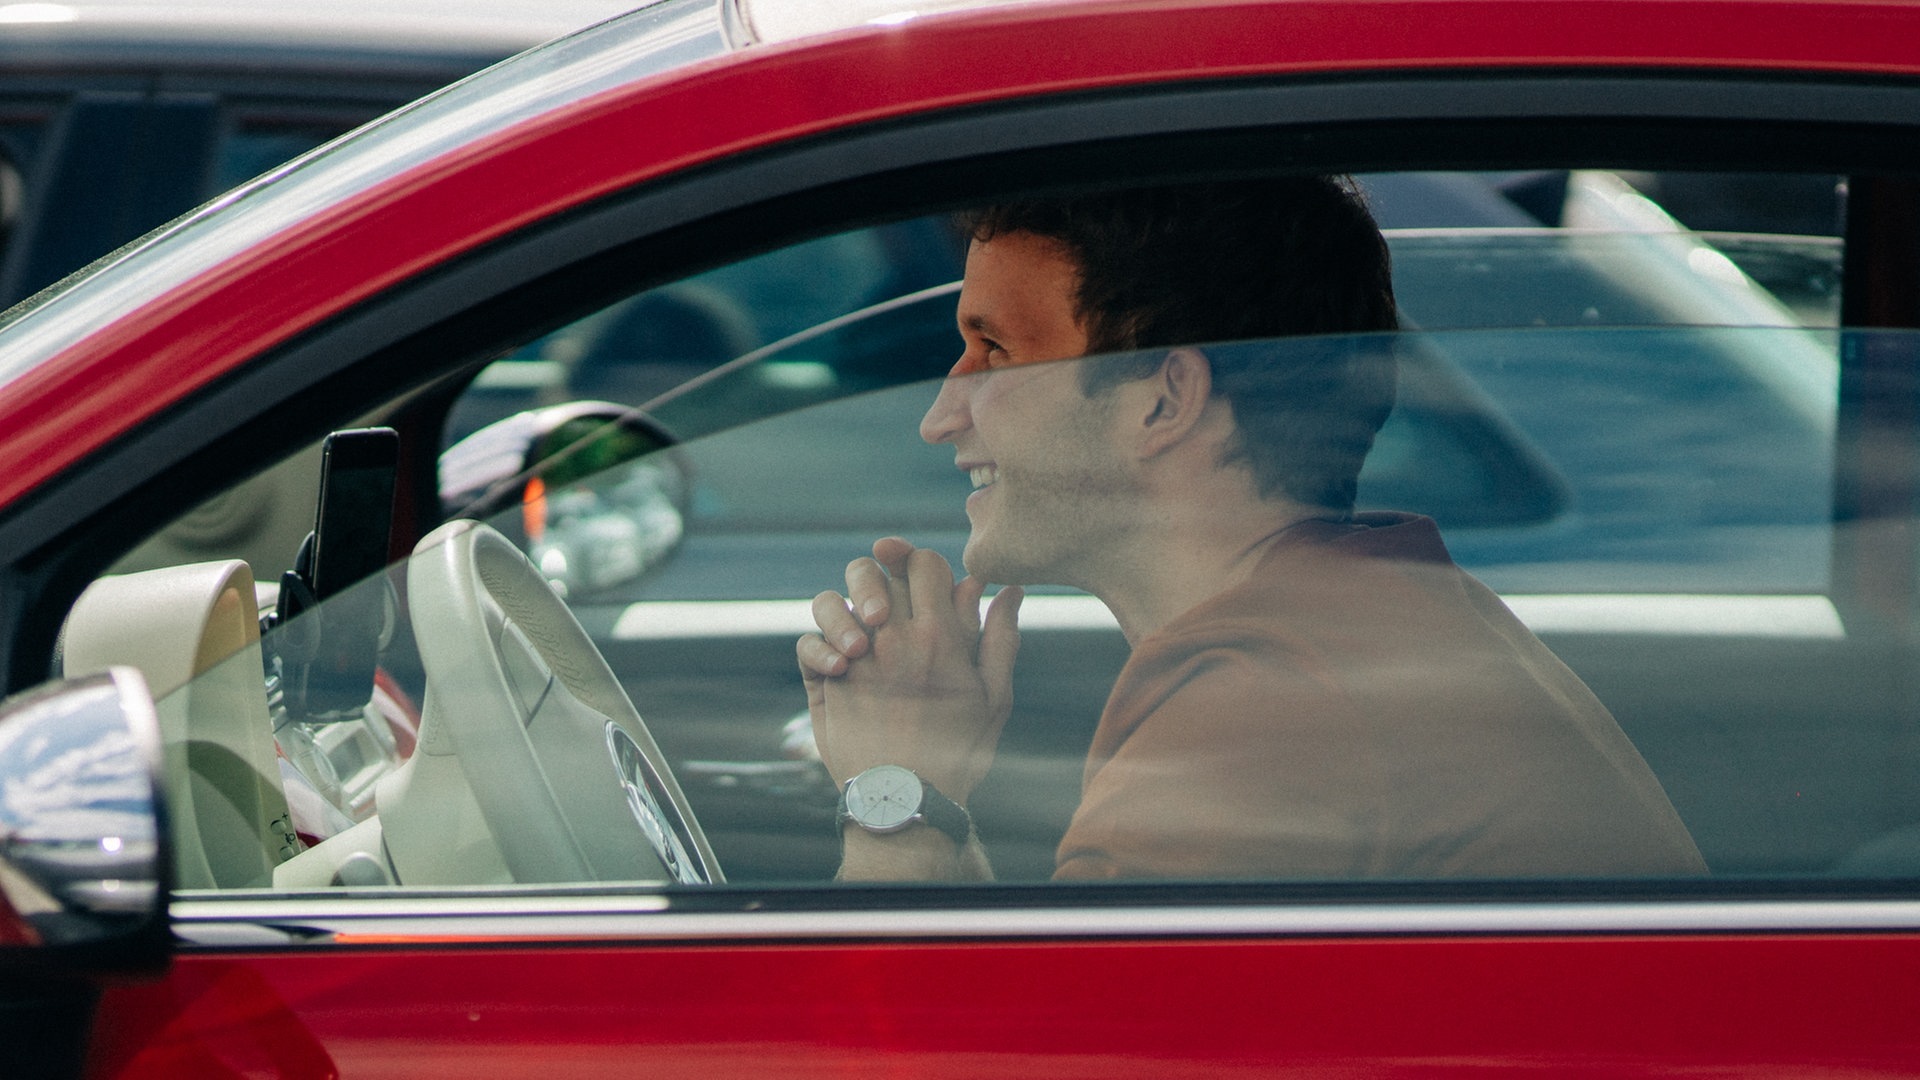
(1362, 708)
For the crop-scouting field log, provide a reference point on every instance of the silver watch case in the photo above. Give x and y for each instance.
(884, 799)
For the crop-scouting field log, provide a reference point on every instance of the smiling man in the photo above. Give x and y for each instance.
(1311, 692)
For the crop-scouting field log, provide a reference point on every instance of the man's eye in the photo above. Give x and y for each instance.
(984, 355)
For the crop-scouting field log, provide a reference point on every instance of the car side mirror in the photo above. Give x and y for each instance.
(85, 860)
(602, 496)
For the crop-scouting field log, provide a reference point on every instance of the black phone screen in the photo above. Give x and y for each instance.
(352, 532)
(354, 526)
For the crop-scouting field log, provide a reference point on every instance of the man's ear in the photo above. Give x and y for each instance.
(1172, 400)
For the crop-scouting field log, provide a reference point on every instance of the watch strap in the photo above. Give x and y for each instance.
(944, 814)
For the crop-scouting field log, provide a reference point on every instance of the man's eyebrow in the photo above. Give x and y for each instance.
(980, 324)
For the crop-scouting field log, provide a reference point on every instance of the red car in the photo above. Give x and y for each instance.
(599, 365)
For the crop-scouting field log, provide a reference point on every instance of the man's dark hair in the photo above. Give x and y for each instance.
(1239, 260)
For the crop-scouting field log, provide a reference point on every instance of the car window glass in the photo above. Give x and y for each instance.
(1781, 229)
(653, 344)
(1594, 247)
(1696, 605)
(1650, 491)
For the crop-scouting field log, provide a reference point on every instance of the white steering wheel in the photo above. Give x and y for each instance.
(561, 766)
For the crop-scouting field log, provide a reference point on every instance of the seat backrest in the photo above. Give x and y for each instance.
(194, 632)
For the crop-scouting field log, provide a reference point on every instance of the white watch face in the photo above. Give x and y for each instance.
(884, 797)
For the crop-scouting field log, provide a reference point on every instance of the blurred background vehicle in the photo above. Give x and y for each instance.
(117, 115)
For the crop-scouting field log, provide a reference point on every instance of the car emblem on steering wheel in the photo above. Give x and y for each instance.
(644, 798)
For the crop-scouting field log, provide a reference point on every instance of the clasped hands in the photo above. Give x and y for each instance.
(904, 671)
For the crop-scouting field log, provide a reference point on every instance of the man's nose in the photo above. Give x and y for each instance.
(947, 417)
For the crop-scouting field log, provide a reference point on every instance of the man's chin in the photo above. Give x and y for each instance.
(981, 561)
(970, 558)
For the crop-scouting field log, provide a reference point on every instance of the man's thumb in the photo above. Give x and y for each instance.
(1000, 640)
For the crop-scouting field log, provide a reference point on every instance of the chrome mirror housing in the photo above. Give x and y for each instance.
(84, 858)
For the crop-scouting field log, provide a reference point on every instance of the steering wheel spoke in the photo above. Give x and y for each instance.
(567, 777)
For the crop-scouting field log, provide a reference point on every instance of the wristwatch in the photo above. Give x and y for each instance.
(888, 798)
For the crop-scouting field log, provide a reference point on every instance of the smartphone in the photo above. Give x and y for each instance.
(353, 528)
(352, 533)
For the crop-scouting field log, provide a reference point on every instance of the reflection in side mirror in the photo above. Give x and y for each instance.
(602, 498)
(83, 845)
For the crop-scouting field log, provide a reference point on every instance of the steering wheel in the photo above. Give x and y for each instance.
(563, 771)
